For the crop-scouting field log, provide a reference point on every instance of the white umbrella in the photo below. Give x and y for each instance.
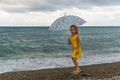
(65, 22)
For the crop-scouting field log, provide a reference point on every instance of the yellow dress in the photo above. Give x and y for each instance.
(76, 53)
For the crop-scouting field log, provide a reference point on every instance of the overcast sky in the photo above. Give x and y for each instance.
(44, 12)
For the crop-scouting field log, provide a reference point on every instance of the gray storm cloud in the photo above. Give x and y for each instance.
(51, 5)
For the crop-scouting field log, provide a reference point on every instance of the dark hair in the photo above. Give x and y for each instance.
(76, 28)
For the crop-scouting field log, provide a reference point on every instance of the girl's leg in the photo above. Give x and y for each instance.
(75, 63)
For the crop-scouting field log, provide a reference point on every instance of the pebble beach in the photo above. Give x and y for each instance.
(106, 71)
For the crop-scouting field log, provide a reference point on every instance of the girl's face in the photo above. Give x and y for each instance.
(73, 30)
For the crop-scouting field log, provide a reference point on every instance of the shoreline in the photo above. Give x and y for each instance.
(105, 71)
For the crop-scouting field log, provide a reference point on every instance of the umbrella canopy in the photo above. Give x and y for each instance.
(65, 22)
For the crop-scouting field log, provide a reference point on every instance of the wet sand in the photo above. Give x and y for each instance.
(106, 71)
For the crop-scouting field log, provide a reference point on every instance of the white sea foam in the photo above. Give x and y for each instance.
(44, 63)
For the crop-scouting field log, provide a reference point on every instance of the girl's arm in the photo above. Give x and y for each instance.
(69, 40)
(78, 42)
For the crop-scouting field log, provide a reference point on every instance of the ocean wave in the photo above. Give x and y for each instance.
(9, 65)
(38, 48)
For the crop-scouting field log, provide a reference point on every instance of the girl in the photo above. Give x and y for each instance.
(76, 50)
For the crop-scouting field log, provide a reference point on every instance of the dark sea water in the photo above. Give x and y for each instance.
(38, 48)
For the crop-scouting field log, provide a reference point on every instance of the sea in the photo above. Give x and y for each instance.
(32, 48)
